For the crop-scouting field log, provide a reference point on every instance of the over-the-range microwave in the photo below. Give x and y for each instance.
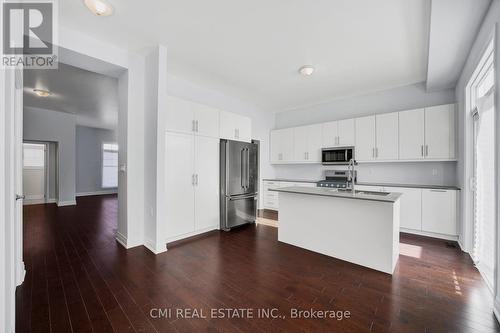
(337, 155)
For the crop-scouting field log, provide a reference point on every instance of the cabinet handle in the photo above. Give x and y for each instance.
(422, 150)
(338, 140)
(438, 191)
(376, 152)
(196, 126)
(196, 179)
(373, 152)
(192, 179)
(193, 126)
(426, 150)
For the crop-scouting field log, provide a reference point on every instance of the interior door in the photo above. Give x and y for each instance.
(206, 183)
(330, 134)
(180, 115)
(437, 132)
(365, 138)
(387, 136)
(180, 181)
(411, 134)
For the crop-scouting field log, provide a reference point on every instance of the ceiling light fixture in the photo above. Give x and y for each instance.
(42, 92)
(306, 70)
(99, 7)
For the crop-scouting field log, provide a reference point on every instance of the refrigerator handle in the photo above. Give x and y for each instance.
(242, 168)
(248, 167)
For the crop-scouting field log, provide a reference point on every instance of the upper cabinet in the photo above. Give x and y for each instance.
(338, 133)
(365, 139)
(235, 127)
(427, 133)
(281, 149)
(413, 135)
(307, 143)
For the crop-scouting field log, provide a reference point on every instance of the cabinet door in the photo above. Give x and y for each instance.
(330, 134)
(365, 138)
(275, 146)
(387, 136)
(410, 207)
(179, 115)
(179, 187)
(411, 134)
(300, 147)
(314, 139)
(346, 133)
(206, 183)
(439, 211)
(228, 125)
(207, 120)
(438, 131)
(244, 128)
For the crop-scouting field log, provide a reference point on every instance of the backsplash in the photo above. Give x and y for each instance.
(425, 173)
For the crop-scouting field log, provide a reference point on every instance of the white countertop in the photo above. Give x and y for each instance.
(329, 192)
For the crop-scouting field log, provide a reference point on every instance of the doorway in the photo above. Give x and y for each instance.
(482, 92)
(34, 173)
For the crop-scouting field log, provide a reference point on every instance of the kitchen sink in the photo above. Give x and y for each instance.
(343, 190)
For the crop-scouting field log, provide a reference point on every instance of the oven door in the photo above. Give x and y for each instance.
(341, 155)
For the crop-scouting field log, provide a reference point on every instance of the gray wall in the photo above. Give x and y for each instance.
(59, 127)
(52, 173)
(397, 99)
(89, 142)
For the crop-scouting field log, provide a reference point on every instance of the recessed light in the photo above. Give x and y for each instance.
(99, 7)
(42, 92)
(306, 70)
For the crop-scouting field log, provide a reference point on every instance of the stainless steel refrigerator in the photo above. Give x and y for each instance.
(239, 182)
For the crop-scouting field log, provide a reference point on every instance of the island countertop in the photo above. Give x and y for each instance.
(328, 192)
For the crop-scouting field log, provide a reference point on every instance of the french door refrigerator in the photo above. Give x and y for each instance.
(239, 182)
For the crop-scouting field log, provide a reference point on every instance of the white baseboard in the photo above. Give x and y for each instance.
(21, 274)
(190, 234)
(66, 203)
(53, 200)
(27, 202)
(496, 308)
(155, 248)
(121, 239)
(103, 192)
(429, 234)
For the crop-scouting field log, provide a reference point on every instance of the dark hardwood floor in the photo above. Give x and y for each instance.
(79, 279)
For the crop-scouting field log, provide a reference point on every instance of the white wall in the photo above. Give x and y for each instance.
(397, 99)
(262, 120)
(89, 142)
(49, 125)
(489, 28)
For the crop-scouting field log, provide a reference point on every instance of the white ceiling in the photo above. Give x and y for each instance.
(254, 48)
(92, 97)
(454, 26)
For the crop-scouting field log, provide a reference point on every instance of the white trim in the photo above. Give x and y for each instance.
(103, 192)
(496, 308)
(51, 200)
(66, 203)
(21, 273)
(156, 249)
(191, 234)
(429, 234)
(27, 202)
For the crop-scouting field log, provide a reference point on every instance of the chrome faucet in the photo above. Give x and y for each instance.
(351, 177)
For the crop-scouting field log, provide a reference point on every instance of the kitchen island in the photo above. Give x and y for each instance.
(362, 228)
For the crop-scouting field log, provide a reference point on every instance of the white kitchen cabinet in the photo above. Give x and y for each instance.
(439, 211)
(192, 184)
(338, 133)
(411, 134)
(206, 183)
(440, 132)
(179, 196)
(307, 143)
(271, 199)
(281, 145)
(206, 121)
(365, 138)
(235, 127)
(187, 117)
(387, 136)
(410, 205)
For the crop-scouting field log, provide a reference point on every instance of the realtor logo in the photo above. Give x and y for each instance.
(29, 34)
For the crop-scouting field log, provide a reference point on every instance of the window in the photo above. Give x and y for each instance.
(109, 165)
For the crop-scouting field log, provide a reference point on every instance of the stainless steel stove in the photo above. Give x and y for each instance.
(335, 179)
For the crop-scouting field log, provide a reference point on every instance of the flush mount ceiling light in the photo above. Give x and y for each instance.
(99, 7)
(42, 92)
(306, 70)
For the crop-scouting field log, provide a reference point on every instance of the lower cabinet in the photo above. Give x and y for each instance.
(271, 199)
(192, 185)
(410, 206)
(439, 211)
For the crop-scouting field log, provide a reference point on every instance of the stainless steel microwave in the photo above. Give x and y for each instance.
(337, 155)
